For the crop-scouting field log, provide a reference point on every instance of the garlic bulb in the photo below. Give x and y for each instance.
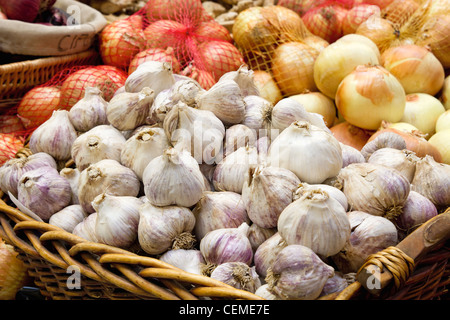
(370, 234)
(262, 145)
(143, 147)
(225, 100)
(55, 136)
(238, 136)
(334, 192)
(229, 174)
(226, 245)
(238, 275)
(266, 192)
(185, 91)
(162, 104)
(174, 178)
(218, 210)
(117, 219)
(258, 114)
(86, 228)
(374, 188)
(156, 75)
(101, 142)
(403, 161)
(315, 210)
(190, 260)
(351, 155)
(90, 111)
(244, 78)
(258, 235)
(68, 217)
(298, 274)
(336, 283)
(263, 292)
(198, 131)
(432, 180)
(73, 176)
(44, 191)
(288, 110)
(164, 228)
(128, 110)
(383, 140)
(12, 169)
(417, 210)
(313, 154)
(266, 253)
(106, 176)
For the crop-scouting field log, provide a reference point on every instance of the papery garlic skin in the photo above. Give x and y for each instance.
(263, 292)
(90, 111)
(402, 160)
(129, 110)
(143, 147)
(258, 235)
(351, 155)
(384, 140)
(73, 176)
(189, 260)
(12, 170)
(300, 222)
(266, 253)
(164, 228)
(244, 78)
(374, 188)
(238, 275)
(313, 154)
(55, 136)
(173, 178)
(225, 100)
(161, 106)
(153, 74)
(117, 219)
(68, 217)
(336, 283)
(266, 191)
(44, 191)
(298, 274)
(227, 245)
(186, 91)
(101, 142)
(370, 234)
(334, 192)
(217, 210)
(258, 113)
(238, 136)
(106, 176)
(86, 228)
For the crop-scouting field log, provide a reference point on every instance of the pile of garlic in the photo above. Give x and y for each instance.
(222, 183)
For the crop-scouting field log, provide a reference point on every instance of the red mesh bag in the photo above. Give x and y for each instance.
(178, 31)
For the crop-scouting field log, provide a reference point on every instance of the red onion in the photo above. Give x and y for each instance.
(22, 10)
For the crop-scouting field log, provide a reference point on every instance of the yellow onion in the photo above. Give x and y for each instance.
(369, 95)
(350, 135)
(315, 42)
(441, 141)
(416, 67)
(13, 272)
(399, 11)
(339, 59)
(10, 123)
(357, 15)
(445, 94)
(267, 87)
(319, 103)
(10, 143)
(422, 111)
(293, 67)
(174, 9)
(403, 126)
(443, 122)
(381, 31)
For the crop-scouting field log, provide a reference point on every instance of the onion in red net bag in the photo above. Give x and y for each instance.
(10, 143)
(155, 54)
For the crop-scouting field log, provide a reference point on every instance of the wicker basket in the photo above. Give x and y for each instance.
(417, 268)
(18, 77)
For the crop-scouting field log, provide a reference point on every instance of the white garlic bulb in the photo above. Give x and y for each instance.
(225, 100)
(315, 210)
(68, 217)
(129, 110)
(117, 219)
(229, 174)
(73, 176)
(89, 111)
(298, 274)
(238, 275)
(266, 192)
(336, 283)
(370, 234)
(238, 136)
(313, 154)
(189, 260)
(198, 131)
(263, 292)
(162, 104)
(258, 235)
(334, 192)
(217, 210)
(100, 142)
(258, 114)
(244, 78)
(143, 147)
(12, 169)
(86, 228)
(266, 253)
(351, 155)
(106, 176)
(185, 91)
(164, 228)
(44, 191)
(154, 74)
(55, 136)
(288, 110)
(174, 178)
(402, 160)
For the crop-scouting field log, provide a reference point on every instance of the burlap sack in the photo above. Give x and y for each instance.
(34, 39)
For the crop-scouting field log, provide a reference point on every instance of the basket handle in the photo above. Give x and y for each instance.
(422, 240)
